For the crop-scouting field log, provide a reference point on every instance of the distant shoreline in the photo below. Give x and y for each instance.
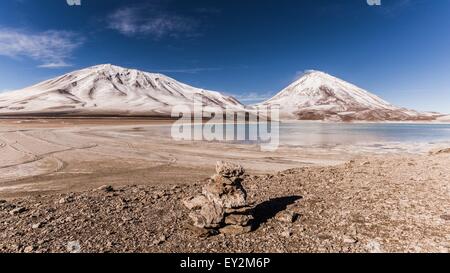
(171, 119)
(47, 116)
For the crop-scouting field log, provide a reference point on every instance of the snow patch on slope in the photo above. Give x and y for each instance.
(320, 96)
(110, 90)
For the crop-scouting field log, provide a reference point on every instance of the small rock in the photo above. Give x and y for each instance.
(374, 247)
(349, 240)
(106, 188)
(127, 219)
(159, 240)
(41, 242)
(37, 225)
(201, 232)
(158, 194)
(28, 249)
(240, 210)
(17, 211)
(365, 163)
(286, 217)
(15, 247)
(445, 217)
(235, 229)
(73, 247)
(238, 219)
(286, 233)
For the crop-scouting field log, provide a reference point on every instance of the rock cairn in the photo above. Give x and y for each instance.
(222, 206)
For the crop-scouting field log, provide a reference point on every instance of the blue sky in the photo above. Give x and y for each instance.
(248, 48)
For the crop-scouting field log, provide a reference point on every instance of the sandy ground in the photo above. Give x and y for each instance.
(43, 156)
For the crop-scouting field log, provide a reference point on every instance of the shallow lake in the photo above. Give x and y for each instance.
(325, 134)
(361, 133)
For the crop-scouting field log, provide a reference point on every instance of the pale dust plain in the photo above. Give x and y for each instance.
(61, 155)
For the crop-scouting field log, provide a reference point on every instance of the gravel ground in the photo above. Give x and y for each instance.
(378, 204)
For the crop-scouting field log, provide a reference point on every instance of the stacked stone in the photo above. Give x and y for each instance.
(222, 206)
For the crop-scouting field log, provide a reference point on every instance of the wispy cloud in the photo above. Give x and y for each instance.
(189, 70)
(51, 48)
(55, 65)
(152, 20)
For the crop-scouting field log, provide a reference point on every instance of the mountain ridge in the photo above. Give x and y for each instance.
(320, 96)
(110, 90)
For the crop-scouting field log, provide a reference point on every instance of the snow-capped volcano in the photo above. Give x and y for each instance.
(320, 96)
(109, 90)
